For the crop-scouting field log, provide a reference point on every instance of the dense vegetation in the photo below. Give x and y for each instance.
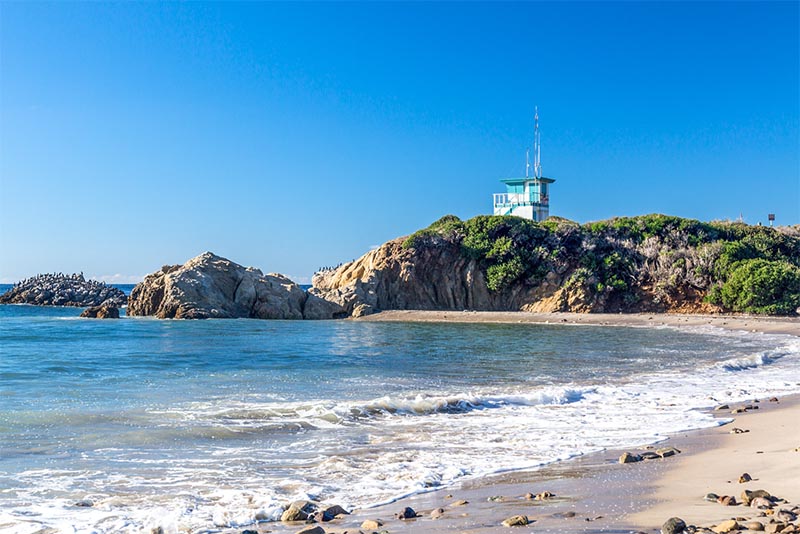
(627, 263)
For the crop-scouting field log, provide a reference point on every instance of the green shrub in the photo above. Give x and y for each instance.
(760, 286)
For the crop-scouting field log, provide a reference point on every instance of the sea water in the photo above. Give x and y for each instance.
(193, 425)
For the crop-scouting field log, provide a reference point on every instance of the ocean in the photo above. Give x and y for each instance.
(194, 425)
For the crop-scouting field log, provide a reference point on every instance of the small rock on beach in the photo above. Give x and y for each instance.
(516, 521)
(673, 525)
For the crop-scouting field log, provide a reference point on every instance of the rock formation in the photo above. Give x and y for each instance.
(649, 263)
(63, 290)
(209, 286)
(101, 312)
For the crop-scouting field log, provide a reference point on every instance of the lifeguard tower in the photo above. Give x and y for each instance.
(527, 197)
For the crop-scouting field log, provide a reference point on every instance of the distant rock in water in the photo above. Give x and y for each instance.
(101, 312)
(210, 286)
(63, 290)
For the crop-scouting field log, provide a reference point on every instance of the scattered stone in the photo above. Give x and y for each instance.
(711, 497)
(101, 312)
(760, 503)
(311, 530)
(754, 525)
(745, 478)
(726, 526)
(749, 495)
(727, 500)
(773, 528)
(332, 512)
(407, 513)
(516, 521)
(673, 525)
(372, 524)
(85, 503)
(569, 514)
(463, 502)
(495, 498)
(628, 458)
(722, 407)
(738, 410)
(773, 399)
(249, 531)
(543, 496)
(157, 530)
(666, 452)
(785, 515)
(436, 514)
(649, 455)
(294, 514)
(261, 515)
(738, 431)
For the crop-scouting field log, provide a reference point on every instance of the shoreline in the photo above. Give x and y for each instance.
(766, 325)
(594, 492)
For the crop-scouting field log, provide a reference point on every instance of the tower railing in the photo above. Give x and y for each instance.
(502, 200)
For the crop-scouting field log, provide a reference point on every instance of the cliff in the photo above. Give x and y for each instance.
(63, 290)
(650, 263)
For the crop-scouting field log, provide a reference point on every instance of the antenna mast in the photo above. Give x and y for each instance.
(527, 162)
(537, 148)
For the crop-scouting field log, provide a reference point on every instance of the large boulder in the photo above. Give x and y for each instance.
(210, 286)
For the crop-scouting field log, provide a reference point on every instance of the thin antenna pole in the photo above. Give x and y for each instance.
(537, 148)
(527, 162)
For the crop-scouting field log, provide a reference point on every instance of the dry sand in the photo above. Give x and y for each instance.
(767, 325)
(597, 494)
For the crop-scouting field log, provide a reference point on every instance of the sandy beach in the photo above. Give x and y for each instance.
(596, 493)
(767, 325)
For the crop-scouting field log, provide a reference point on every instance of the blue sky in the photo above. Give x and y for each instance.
(293, 136)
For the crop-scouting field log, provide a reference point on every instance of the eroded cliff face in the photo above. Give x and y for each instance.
(209, 286)
(440, 277)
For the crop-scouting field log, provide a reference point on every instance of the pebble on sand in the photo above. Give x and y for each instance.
(673, 525)
(516, 521)
(726, 526)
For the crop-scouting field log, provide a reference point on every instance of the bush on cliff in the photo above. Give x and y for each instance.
(760, 286)
(509, 249)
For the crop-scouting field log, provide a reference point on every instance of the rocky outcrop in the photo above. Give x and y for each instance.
(63, 290)
(101, 312)
(210, 286)
(652, 263)
(393, 277)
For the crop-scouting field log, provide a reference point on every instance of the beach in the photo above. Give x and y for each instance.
(766, 325)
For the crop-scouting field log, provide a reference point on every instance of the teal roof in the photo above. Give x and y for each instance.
(514, 181)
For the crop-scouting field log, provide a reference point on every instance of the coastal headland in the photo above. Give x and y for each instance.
(646, 264)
